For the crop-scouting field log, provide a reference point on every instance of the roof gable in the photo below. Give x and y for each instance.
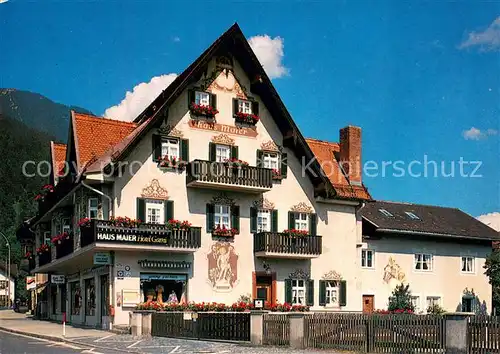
(58, 159)
(431, 220)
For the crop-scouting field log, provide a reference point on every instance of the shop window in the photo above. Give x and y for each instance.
(167, 288)
(90, 297)
(76, 298)
(104, 295)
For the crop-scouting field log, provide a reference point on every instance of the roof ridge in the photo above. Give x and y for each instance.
(107, 120)
(322, 141)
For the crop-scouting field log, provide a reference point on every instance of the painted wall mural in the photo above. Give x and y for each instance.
(222, 266)
(393, 273)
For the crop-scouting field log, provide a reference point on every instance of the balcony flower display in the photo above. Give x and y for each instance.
(247, 118)
(59, 239)
(46, 189)
(203, 110)
(172, 162)
(223, 231)
(121, 221)
(85, 222)
(276, 174)
(286, 307)
(240, 306)
(235, 162)
(28, 255)
(43, 249)
(296, 233)
(178, 225)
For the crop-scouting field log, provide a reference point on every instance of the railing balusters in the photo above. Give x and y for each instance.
(284, 243)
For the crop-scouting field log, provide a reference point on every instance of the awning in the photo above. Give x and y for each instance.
(41, 288)
(160, 276)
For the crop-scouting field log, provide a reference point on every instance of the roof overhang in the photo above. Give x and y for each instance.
(422, 233)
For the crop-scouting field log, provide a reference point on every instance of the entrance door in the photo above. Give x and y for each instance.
(368, 303)
(263, 288)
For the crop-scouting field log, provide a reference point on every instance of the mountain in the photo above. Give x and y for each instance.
(37, 111)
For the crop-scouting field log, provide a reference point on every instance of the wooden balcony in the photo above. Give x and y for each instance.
(282, 245)
(44, 258)
(64, 248)
(105, 232)
(220, 175)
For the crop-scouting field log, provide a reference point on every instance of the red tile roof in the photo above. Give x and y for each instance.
(96, 135)
(58, 155)
(324, 152)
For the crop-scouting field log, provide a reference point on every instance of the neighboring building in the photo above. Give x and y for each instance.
(110, 265)
(4, 284)
(440, 252)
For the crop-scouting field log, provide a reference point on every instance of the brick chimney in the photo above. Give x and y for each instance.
(350, 153)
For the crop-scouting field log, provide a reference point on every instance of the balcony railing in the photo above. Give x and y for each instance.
(283, 245)
(44, 258)
(209, 173)
(143, 234)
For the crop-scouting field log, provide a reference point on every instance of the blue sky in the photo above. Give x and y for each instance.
(411, 74)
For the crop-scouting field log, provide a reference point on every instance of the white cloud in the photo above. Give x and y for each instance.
(488, 40)
(478, 134)
(3, 1)
(491, 219)
(140, 97)
(270, 53)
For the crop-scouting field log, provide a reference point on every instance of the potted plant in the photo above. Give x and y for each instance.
(84, 222)
(224, 232)
(235, 162)
(296, 233)
(276, 174)
(247, 118)
(172, 162)
(203, 110)
(178, 225)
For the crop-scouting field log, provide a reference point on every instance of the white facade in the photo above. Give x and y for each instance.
(4, 287)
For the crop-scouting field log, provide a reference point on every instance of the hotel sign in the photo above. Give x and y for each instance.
(136, 239)
(222, 128)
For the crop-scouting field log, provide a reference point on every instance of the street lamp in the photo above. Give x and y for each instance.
(8, 265)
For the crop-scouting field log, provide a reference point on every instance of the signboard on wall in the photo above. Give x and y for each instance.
(130, 298)
(102, 258)
(160, 276)
(57, 279)
(137, 239)
(30, 283)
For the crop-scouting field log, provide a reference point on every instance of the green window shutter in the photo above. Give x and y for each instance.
(210, 217)
(284, 165)
(235, 106)
(274, 220)
(313, 221)
(255, 108)
(191, 98)
(260, 154)
(343, 293)
(156, 148)
(235, 217)
(291, 220)
(141, 209)
(234, 152)
(253, 219)
(310, 292)
(288, 291)
(211, 151)
(184, 150)
(169, 210)
(213, 101)
(322, 293)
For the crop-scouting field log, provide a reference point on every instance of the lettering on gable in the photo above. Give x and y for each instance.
(227, 129)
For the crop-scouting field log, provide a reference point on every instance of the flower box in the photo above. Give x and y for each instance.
(28, 255)
(203, 110)
(178, 225)
(224, 232)
(234, 162)
(43, 249)
(59, 239)
(172, 162)
(240, 306)
(127, 222)
(246, 118)
(296, 233)
(276, 175)
(46, 189)
(85, 222)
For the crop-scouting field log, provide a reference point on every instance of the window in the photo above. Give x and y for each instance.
(76, 298)
(385, 212)
(202, 98)
(154, 211)
(66, 226)
(332, 293)
(222, 216)
(90, 297)
(93, 208)
(412, 216)
(302, 221)
(298, 292)
(3, 284)
(222, 153)
(415, 301)
(423, 262)
(270, 160)
(367, 258)
(433, 301)
(245, 106)
(263, 220)
(468, 264)
(170, 148)
(46, 237)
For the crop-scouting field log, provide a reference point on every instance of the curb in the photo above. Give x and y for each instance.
(64, 340)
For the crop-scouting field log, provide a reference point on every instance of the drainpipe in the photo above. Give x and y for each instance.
(111, 268)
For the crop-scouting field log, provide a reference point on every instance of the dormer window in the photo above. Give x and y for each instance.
(245, 111)
(202, 98)
(245, 106)
(412, 216)
(385, 212)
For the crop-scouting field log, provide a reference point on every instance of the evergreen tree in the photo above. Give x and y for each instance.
(492, 267)
(401, 299)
